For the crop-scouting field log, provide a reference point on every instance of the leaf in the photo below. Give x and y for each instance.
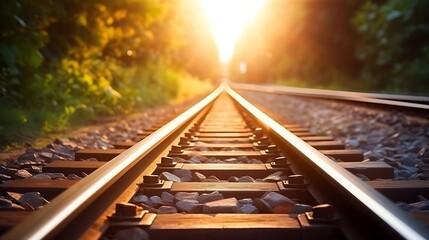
(35, 58)
(20, 21)
(6, 55)
(393, 15)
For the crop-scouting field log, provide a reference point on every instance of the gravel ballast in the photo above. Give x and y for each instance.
(398, 139)
(28, 163)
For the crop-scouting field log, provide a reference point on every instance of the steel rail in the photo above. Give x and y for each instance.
(378, 99)
(380, 207)
(50, 220)
(397, 97)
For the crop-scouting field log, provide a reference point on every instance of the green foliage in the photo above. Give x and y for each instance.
(20, 42)
(68, 61)
(393, 45)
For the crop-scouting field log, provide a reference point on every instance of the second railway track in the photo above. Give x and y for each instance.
(221, 170)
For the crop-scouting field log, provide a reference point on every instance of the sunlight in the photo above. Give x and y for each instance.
(227, 19)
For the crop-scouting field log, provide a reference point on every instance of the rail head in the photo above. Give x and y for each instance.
(48, 221)
(380, 207)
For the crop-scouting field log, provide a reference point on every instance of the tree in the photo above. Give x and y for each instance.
(68, 60)
(393, 46)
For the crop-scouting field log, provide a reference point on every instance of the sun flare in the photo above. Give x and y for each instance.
(227, 19)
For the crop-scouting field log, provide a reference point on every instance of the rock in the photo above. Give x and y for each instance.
(155, 201)
(185, 161)
(41, 176)
(404, 206)
(103, 144)
(421, 151)
(34, 169)
(57, 175)
(134, 233)
(57, 157)
(262, 205)
(186, 205)
(362, 177)
(26, 163)
(180, 196)
(242, 159)
(278, 202)
(276, 176)
(13, 164)
(148, 207)
(91, 160)
(22, 174)
(33, 200)
(410, 159)
(4, 177)
(215, 161)
(209, 197)
(404, 171)
(422, 198)
(167, 210)
(11, 171)
(211, 179)
(401, 175)
(245, 201)
(246, 179)
(65, 151)
(301, 208)
(184, 175)
(197, 208)
(14, 197)
(198, 177)
(140, 199)
(3, 170)
(198, 159)
(28, 156)
(167, 198)
(248, 208)
(421, 205)
(9, 205)
(181, 160)
(254, 161)
(228, 205)
(169, 177)
(73, 177)
(233, 179)
(65, 142)
(231, 160)
(200, 148)
(48, 156)
(418, 176)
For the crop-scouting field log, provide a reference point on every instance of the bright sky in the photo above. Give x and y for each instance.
(227, 19)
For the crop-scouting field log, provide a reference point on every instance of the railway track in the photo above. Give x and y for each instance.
(223, 169)
(402, 102)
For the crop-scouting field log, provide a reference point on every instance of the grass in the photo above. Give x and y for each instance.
(191, 87)
(48, 126)
(335, 84)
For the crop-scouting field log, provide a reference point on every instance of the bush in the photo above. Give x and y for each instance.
(393, 46)
(68, 61)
